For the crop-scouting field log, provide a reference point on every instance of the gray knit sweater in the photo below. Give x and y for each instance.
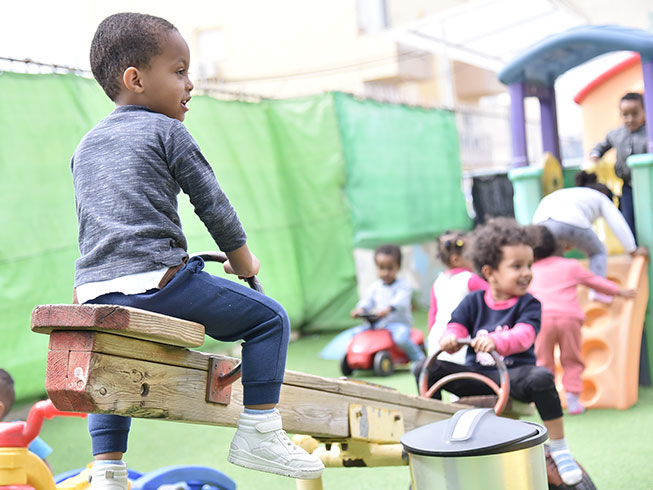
(127, 172)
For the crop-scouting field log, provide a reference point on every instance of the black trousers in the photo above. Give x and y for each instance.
(528, 383)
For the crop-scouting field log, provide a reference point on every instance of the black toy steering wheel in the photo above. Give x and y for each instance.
(502, 391)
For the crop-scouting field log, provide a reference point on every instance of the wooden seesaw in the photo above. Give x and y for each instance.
(125, 361)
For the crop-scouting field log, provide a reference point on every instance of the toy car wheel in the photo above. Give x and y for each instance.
(383, 365)
(345, 368)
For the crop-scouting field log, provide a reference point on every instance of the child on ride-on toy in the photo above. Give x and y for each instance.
(127, 173)
(389, 298)
(505, 318)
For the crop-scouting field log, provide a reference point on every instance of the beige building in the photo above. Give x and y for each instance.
(432, 53)
(290, 48)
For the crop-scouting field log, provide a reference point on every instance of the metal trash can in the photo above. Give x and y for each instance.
(476, 449)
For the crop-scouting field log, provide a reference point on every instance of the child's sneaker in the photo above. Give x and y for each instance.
(260, 443)
(108, 475)
(574, 406)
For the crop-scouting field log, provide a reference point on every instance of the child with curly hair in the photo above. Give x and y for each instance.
(505, 318)
(555, 282)
(449, 289)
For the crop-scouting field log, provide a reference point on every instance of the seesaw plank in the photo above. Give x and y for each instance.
(122, 320)
(102, 383)
(175, 356)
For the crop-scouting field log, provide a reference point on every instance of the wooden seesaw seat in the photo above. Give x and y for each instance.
(125, 361)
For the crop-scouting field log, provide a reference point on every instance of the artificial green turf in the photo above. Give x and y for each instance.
(614, 446)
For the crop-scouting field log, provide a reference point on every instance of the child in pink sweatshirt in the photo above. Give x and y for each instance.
(555, 280)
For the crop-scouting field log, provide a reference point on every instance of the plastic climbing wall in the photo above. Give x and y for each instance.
(611, 338)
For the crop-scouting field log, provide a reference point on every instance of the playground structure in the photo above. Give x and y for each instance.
(611, 338)
(20, 469)
(599, 99)
(533, 73)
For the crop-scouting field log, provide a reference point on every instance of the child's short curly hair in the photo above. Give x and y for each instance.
(124, 40)
(391, 250)
(489, 239)
(544, 243)
(451, 242)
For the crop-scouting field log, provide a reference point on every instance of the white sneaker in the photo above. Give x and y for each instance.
(108, 476)
(260, 443)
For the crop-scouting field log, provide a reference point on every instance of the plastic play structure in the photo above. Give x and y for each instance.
(612, 333)
(21, 469)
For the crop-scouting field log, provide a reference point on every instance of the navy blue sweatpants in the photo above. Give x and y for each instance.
(229, 311)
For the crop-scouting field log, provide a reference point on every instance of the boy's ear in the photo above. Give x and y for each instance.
(131, 79)
(486, 271)
(2, 410)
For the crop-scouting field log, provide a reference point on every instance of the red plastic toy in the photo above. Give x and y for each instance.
(375, 349)
(21, 434)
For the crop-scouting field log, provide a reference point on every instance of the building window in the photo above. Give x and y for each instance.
(372, 15)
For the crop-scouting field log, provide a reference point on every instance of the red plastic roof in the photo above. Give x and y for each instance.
(606, 75)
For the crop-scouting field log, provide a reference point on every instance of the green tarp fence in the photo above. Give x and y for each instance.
(403, 171)
(305, 175)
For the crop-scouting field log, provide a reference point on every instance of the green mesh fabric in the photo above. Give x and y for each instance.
(308, 177)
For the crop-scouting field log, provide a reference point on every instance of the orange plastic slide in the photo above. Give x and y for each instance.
(611, 338)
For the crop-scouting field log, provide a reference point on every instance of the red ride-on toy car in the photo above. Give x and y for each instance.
(374, 348)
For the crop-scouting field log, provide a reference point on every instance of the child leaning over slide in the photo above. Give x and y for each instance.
(555, 282)
(505, 318)
(449, 289)
(127, 172)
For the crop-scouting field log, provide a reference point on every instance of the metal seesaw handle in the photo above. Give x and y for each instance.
(214, 256)
(502, 392)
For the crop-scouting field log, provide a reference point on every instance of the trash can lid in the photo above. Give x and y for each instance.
(473, 432)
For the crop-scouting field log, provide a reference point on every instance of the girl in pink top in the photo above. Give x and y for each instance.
(449, 289)
(555, 280)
